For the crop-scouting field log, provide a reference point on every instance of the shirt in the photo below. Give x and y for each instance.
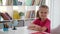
(46, 23)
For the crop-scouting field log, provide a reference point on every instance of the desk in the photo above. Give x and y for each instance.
(20, 30)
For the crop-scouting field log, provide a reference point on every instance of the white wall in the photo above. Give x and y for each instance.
(56, 13)
(54, 6)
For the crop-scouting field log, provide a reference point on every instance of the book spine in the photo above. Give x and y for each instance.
(32, 14)
(5, 17)
(8, 16)
(15, 2)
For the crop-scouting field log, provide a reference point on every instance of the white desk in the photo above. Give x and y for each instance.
(20, 30)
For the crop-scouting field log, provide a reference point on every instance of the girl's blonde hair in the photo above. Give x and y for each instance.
(42, 6)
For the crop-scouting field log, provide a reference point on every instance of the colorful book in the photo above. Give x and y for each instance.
(0, 2)
(15, 2)
(37, 2)
(30, 14)
(9, 16)
(4, 16)
(9, 2)
(28, 2)
(43, 2)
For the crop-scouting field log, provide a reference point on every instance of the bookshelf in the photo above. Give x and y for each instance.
(19, 9)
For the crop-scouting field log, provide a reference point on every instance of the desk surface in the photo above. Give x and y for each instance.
(20, 30)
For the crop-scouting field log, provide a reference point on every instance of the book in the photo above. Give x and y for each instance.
(43, 2)
(9, 2)
(37, 2)
(0, 2)
(15, 2)
(28, 2)
(8, 16)
(21, 2)
(30, 14)
(4, 16)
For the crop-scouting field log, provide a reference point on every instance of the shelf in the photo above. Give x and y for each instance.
(17, 19)
(5, 21)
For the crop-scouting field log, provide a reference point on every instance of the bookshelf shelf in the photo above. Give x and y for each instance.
(5, 21)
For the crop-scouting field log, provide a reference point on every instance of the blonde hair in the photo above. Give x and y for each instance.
(42, 6)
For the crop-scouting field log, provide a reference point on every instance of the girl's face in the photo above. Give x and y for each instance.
(43, 12)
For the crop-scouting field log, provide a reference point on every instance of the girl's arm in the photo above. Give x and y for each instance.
(34, 27)
(31, 26)
(43, 29)
(37, 28)
(46, 27)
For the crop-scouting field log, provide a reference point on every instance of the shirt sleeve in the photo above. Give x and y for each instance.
(48, 26)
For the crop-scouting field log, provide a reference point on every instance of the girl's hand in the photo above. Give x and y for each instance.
(34, 27)
(31, 27)
(44, 29)
(37, 28)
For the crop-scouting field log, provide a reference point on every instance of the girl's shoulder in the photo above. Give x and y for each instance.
(48, 20)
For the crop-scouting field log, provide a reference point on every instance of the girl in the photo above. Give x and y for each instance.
(42, 23)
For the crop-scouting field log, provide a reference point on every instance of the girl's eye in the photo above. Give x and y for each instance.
(45, 12)
(41, 12)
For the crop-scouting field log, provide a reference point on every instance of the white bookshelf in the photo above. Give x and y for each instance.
(20, 8)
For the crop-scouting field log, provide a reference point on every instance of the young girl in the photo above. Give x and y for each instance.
(42, 23)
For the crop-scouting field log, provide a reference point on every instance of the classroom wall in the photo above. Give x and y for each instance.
(54, 13)
(54, 8)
